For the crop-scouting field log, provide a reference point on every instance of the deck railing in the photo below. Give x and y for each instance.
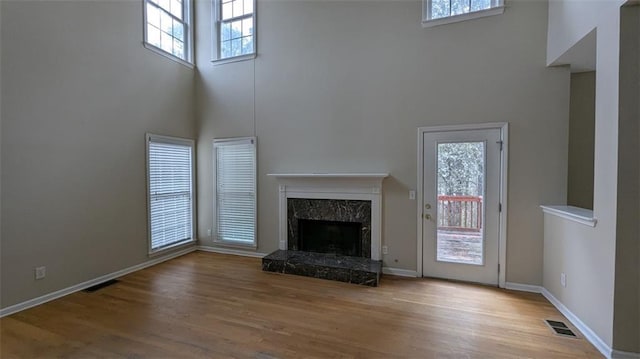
(460, 213)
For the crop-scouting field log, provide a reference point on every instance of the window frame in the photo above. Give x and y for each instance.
(216, 239)
(497, 8)
(187, 15)
(149, 137)
(217, 34)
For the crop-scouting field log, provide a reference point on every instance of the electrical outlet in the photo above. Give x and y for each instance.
(41, 272)
(412, 194)
(209, 232)
(563, 279)
(385, 250)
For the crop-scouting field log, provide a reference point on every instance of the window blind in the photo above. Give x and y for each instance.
(235, 190)
(170, 191)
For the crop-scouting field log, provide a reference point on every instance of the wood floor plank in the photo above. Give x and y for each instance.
(207, 305)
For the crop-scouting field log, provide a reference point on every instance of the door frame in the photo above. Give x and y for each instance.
(502, 227)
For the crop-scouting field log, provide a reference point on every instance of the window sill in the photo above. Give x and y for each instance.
(175, 246)
(234, 59)
(463, 17)
(161, 52)
(237, 245)
(575, 214)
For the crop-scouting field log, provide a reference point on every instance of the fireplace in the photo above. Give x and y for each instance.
(333, 237)
(330, 227)
(344, 197)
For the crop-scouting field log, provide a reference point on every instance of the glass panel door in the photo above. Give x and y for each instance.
(461, 197)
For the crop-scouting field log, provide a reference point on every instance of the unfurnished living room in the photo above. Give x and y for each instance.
(320, 178)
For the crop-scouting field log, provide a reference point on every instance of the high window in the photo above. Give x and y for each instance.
(235, 187)
(170, 191)
(235, 28)
(437, 12)
(167, 28)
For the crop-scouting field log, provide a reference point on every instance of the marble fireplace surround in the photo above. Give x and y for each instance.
(342, 210)
(335, 186)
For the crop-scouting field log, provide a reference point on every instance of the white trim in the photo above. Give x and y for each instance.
(399, 272)
(420, 200)
(504, 171)
(237, 252)
(575, 214)
(523, 287)
(618, 354)
(169, 248)
(589, 334)
(167, 55)
(504, 202)
(227, 60)
(74, 288)
(341, 186)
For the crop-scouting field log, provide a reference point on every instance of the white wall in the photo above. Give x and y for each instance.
(588, 255)
(78, 93)
(342, 86)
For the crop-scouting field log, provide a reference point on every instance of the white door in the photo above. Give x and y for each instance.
(461, 192)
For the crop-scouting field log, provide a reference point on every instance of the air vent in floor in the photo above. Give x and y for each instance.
(100, 285)
(560, 328)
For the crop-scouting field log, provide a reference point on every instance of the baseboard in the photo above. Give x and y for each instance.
(237, 252)
(399, 272)
(589, 334)
(74, 288)
(523, 287)
(617, 354)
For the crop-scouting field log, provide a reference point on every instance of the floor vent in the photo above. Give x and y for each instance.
(100, 286)
(559, 328)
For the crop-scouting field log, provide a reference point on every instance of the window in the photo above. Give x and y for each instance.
(235, 28)
(167, 29)
(436, 12)
(170, 196)
(235, 202)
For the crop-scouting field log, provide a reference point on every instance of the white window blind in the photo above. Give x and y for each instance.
(235, 190)
(170, 176)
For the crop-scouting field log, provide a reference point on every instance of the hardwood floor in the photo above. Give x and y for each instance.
(220, 306)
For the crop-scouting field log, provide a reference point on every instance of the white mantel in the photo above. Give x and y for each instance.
(344, 186)
(330, 175)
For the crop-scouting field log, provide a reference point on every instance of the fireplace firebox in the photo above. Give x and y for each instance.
(333, 237)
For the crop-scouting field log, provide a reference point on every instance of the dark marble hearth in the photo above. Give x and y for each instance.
(355, 270)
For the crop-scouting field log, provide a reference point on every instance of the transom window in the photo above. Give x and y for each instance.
(167, 27)
(236, 28)
(444, 11)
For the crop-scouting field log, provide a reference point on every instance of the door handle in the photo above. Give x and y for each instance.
(426, 216)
